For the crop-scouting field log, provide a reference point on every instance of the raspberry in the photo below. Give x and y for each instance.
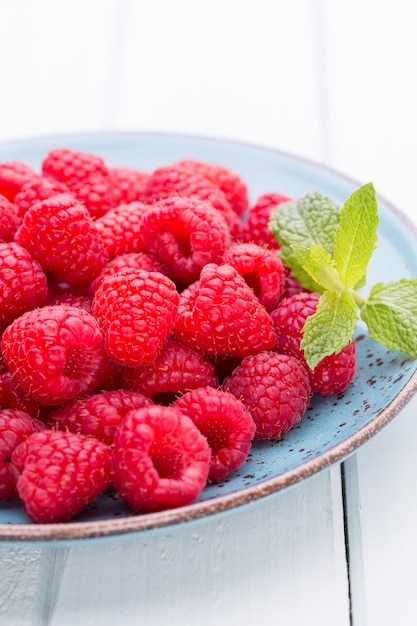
(334, 373)
(120, 229)
(9, 220)
(291, 285)
(136, 311)
(23, 284)
(12, 396)
(219, 314)
(66, 165)
(130, 260)
(256, 228)
(55, 352)
(232, 185)
(128, 184)
(225, 422)
(275, 389)
(60, 234)
(36, 189)
(15, 427)
(71, 299)
(98, 415)
(160, 459)
(262, 270)
(176, 369)
(184, 235)
(174, 181)
(95, 192)
(13, 176)
(59, 473)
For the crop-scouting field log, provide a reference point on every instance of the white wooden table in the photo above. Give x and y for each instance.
(332, 81)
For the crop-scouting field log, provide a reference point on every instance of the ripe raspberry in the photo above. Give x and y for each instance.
(262, 270)
(60, 234)
(184, 235)
(59, 473)
(256, 228)
(15, 427)
(70, 165)
(55, 352)
(225, 422)
(23, 284)
(36, 189)
(71, 299)
(291, 285)
(12, 396)
(13, 176)
(220, 314)
(334, 373)
(95, 192)
(120, 229)
(174, 181)
(97, 415)
(9, 220)
(275, 389)
(160, 459)
(136, 311)
(130, 260)
(128, 184)
(232, 185)
(176, 369)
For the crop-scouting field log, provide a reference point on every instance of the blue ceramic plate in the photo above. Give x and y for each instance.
(333, 427)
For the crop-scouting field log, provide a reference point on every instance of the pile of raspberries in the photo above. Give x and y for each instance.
(149, 333)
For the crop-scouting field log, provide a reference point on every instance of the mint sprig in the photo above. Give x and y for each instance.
(328, 249)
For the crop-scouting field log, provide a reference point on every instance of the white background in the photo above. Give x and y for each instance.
(330, 80)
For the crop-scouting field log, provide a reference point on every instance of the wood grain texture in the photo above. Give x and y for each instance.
(281, 560)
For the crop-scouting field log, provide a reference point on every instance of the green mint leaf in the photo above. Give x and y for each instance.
(390, 314)
(356, 236)
(312, 219)
(319, 265)
(331, 327)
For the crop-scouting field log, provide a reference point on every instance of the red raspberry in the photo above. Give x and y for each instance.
(9, 220)
(225, 422)
(160, 459)
(15, 427)
(184, 235)
(36, 189)
(256, 228)
(232, 185)
(12, 396)
(174, 181)
(334, 373)
(71, 299)
(262, 270)
(55, 352)
(66, 165)
(23, 284)
(275, 389)
(13, 176)
(130, 260)
(120, 229)
(59, 473)
(136, 311)
(95, 192)
(219, 314)
(176, 369)
(98, 415)
(60, 234)
(291, 285)
(128, 184)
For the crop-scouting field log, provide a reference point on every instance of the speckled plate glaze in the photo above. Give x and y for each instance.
(333, 427)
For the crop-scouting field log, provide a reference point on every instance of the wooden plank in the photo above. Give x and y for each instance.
(59, 65)
(233, 69)
(281, 560)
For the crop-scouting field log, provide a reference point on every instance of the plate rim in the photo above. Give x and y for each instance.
(117, 527)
